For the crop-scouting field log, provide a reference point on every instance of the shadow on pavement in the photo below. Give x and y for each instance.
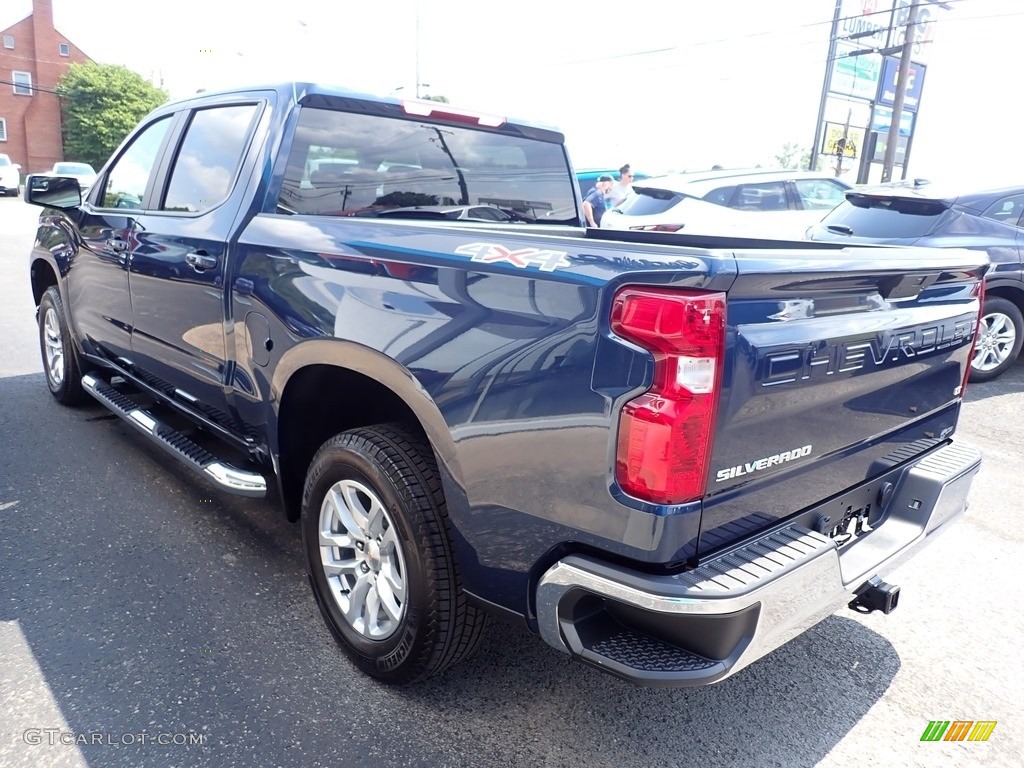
(151, 603)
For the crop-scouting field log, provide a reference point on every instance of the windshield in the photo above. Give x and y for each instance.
(4, 161)
(346, 164)
(80, 169)
(888, 218)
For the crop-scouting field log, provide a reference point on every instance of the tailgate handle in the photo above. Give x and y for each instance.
(903, 287)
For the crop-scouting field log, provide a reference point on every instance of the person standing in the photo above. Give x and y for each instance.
(621, 189)
(596, 202)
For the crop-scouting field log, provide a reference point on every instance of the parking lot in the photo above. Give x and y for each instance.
(136, 601)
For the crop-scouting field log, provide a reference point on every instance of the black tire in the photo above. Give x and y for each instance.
(63, 377)
(998, 312)
(438, 626)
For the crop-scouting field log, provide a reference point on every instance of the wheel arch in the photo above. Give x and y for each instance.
(366, 387)
(43, 275)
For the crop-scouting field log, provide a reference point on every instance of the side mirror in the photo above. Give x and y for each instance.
(62, 192)
(17, 167)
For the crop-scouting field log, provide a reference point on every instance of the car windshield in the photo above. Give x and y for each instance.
(4, 162)
(80, 169)
(890, 218)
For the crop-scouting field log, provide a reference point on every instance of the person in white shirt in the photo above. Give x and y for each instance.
(620, 190)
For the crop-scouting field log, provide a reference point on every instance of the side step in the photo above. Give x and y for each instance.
(226, 477)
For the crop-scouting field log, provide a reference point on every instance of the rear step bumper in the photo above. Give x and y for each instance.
(704, 625)
(223, 475)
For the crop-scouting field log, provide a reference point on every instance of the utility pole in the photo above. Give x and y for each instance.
(830, 62)
(902, 81)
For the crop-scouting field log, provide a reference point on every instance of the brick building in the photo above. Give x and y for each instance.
(33, 57)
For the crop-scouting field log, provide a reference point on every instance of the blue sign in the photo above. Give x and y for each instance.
(887, 84)
(882, 119)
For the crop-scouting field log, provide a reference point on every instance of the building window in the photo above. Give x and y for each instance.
(3, 129)
(65, 49)
(23, 83)
(8, 41)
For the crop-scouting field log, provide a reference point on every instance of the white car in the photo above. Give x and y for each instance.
(82, 171)
(753, 203)
(10, 176)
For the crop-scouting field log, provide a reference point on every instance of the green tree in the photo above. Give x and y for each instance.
(100, 105)
(442, 99)
(793, 156)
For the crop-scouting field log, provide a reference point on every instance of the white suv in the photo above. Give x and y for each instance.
(10, 176)
(757, 203)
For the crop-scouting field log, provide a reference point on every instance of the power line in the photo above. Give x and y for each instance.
(752, 35)
(29, 86)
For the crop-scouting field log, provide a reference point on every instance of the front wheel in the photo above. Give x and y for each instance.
(1000, 334)
(60, 357)
(379, 555)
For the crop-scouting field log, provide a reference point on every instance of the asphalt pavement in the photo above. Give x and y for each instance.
(147, 620)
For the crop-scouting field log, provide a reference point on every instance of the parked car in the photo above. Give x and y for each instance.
(82, 171)
(922, 213)
(488, 213)
(10, 176)
(787, 202)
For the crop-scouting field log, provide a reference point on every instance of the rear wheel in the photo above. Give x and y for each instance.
(60, 357)
(999, 339)
(379, 555)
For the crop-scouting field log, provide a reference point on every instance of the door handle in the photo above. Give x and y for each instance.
(117, 245)
(200, 261)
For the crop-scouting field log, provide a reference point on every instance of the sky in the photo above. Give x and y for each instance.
(676, 85)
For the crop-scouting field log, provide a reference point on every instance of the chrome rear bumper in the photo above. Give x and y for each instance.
(704, 625)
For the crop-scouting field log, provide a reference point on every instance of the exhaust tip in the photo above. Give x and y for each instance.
(877, 596)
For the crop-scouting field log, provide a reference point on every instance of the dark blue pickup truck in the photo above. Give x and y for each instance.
(665, 456)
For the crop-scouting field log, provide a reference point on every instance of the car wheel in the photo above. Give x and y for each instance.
(1000, 334)
(60, 356)
(379, 555)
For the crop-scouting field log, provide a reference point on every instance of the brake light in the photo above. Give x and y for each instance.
(664, 444)
(979, 291)
(440, 109)
(659, 227)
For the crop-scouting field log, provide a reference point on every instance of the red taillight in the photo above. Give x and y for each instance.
(664, 444)
(659, 228)
(979, 291)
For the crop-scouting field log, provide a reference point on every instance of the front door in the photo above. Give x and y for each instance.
(97, 280)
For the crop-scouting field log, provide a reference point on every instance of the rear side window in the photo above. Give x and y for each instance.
(366, 165)
(647, 201)
(766, 196)
(819, 194)
(1007, 210)
(209, 157)
(889, 218)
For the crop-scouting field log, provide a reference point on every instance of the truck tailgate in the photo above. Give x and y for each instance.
(838, 366)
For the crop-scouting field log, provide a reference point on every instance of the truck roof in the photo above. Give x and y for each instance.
(303, 91)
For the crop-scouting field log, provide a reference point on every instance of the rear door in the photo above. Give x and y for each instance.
(179, 258)
(837, 365)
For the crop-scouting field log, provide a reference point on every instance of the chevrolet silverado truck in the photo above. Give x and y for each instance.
(665, 456)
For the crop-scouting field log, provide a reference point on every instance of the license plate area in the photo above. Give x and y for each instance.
(854, 515)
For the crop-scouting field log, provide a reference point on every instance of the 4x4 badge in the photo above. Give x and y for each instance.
(491, 253)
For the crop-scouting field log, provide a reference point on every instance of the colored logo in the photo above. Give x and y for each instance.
(958, 730)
